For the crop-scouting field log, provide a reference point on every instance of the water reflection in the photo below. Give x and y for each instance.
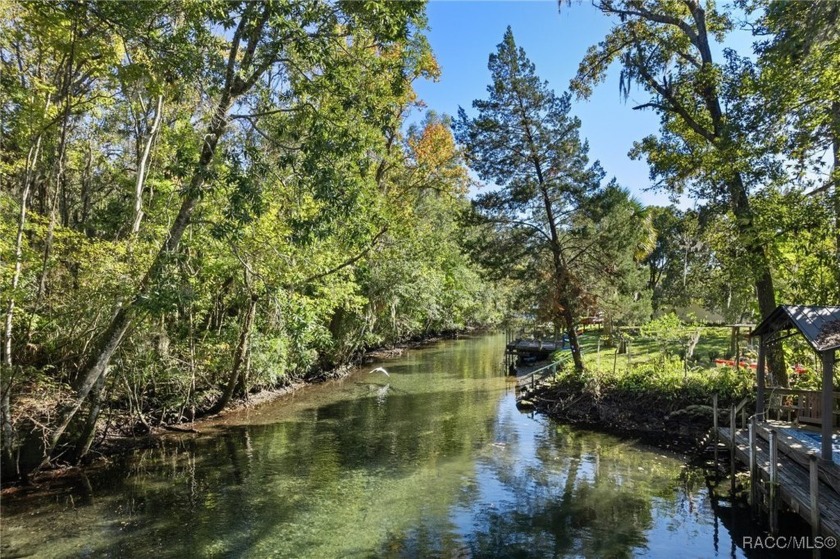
(432, 461)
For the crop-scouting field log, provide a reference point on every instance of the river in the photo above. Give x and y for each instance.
(431, 460)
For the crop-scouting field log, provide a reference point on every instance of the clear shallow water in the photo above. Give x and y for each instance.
(431, 461)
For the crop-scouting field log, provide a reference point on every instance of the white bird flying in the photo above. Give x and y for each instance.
(380, 370)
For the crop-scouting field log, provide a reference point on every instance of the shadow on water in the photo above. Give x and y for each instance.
(432, 461)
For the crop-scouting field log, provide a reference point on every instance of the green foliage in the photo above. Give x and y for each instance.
(656, 373)
(551, 225)
(709, 145)
(306, 202)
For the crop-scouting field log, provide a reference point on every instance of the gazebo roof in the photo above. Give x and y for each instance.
(819, 325)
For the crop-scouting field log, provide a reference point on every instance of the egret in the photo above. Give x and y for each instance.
(380, 370)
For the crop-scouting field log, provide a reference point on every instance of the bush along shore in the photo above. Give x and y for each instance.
(659, 403)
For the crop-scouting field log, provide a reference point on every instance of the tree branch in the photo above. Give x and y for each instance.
(349, 261)
(608, 7)
(505, 221)
(675, 105)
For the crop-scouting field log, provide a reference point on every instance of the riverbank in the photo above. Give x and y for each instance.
(677, 420)
(123, 433)
(437, 464)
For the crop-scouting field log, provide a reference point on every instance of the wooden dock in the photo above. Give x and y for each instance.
(796, 482)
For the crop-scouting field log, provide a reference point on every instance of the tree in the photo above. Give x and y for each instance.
(263, 37)
(52, 59)
(677, 264)
(524, 141)
(211, 198)
(618, 239)
(666, 48)
(799, 84)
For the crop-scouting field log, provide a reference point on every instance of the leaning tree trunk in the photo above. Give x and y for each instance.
(111, 339)
(88, 432)
(561, 271)
(561, 278)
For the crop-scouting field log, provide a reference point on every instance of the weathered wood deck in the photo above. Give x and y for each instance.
(794, 479)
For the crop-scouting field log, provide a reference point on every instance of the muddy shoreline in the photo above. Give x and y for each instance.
(678, 426)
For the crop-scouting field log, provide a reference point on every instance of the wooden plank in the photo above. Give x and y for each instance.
(793, 448)
(794, 482)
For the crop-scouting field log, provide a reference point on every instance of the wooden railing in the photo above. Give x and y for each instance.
(542, 373)
(734, 410)
(804, 406)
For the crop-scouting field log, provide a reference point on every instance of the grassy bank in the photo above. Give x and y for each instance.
(653, 393)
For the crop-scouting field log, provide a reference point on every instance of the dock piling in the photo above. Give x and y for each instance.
(774, 483)
(754, 478)
(779, 477)
(814, 493)
(732, 451)
(715, 424)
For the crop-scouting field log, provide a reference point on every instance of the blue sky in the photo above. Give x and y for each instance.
(464, 33)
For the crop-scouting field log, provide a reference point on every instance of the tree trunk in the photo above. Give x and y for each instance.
(83, 384)
(88, 432)
(7, 433)
(9, 469)
(141, 168)
(238, 357)
(110, 340)
(48, 242)
(85, 194)
(561, 272)
(574, 345)
(762, 277)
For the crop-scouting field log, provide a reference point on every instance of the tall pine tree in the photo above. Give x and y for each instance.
(524, 141)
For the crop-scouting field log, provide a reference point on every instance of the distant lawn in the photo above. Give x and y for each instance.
(655, 372)
(713, 344)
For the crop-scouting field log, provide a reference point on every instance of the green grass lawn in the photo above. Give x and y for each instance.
(714, 341)
(654, 369)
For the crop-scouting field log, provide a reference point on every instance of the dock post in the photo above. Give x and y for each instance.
(814, 493)
(715, 426)
(759, 394)
(732, 450)
(754, 479)
(827, 452)
(774, 483)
